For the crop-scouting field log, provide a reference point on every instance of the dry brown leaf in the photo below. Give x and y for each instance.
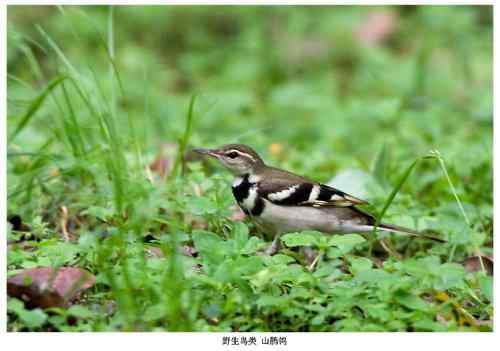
(189, 251)
(49, 287)
(377, 262)
(163, 163)
(473, 264)
(441, 319)
(195, 222)
(110, 307)
(154, 252)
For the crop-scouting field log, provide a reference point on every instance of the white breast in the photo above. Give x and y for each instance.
(249, 202)
(237, 181)
(314, 193)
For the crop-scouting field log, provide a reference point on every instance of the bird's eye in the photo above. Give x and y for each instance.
(232, 154)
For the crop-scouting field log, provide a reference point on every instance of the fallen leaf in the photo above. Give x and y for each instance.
(110, 307)
(154, 252)
(473, 264)
(377, 27)
(377, 262)
(162, 164)
(189, 251)
(49, 287)
(195, 222)
(441, 319)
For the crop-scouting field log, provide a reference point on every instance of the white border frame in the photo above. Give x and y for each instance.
(213, 341)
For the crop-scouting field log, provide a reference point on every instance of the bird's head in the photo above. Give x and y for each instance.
(237, 158)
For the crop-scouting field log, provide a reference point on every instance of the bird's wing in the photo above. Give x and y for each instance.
(285, 188)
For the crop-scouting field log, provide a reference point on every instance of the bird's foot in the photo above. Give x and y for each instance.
(272, 249)
(309, 255)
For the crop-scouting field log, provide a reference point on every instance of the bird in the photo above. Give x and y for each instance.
(279, 202)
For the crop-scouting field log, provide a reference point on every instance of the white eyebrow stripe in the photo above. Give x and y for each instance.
(283, 194)
(241, 153)
(313, 196)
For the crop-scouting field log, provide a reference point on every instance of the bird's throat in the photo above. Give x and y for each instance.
(246, 193)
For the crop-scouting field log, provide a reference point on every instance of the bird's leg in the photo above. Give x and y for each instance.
(310, 255)
(269, 231)
(313, 264)
(386, 244)
(275, 246)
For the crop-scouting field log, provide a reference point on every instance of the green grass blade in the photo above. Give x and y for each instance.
(59, 52)
(380, 166)
(437, 155)
(179, 162)
(402, 179)
(35, 106)
(11, 77)
(72, 127)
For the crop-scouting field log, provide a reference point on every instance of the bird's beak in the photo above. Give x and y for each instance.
(211, 152)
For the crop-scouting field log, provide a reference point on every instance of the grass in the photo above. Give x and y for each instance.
(97, 94)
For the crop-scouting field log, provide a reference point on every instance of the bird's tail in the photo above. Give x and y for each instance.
(411, 232)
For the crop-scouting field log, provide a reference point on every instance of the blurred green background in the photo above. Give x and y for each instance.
(336, 80)
(96, 94)
(328, 85)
